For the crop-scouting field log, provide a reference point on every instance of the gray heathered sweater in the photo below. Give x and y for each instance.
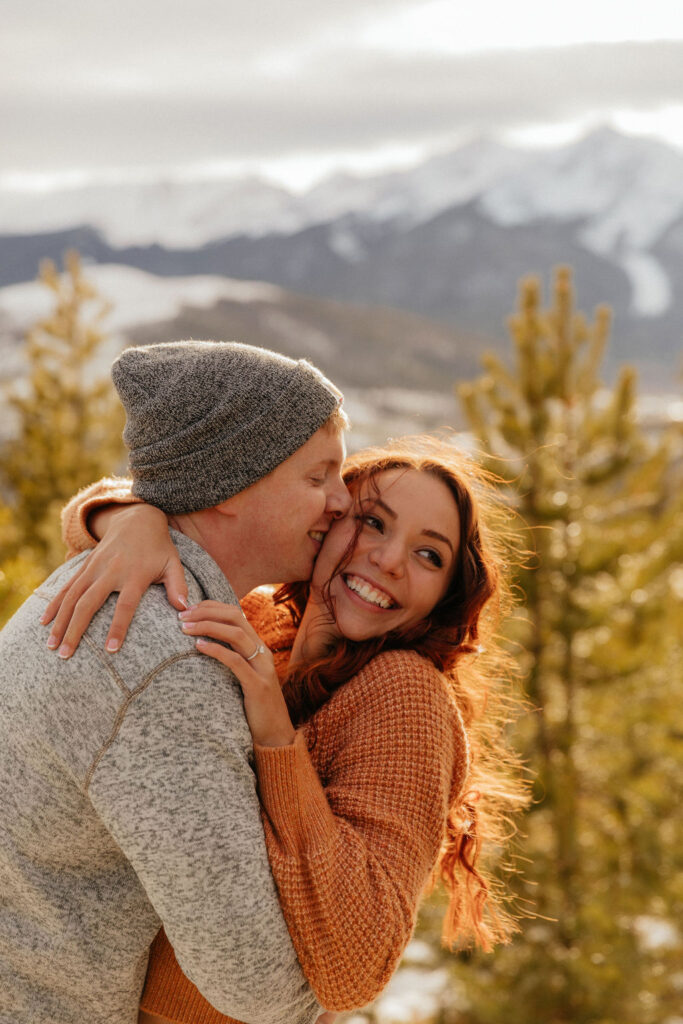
(127, 800)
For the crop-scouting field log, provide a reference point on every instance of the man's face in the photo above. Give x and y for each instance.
(288, 512)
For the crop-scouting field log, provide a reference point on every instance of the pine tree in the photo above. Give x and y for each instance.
(601, 631)
(20, 569)
(68, 425)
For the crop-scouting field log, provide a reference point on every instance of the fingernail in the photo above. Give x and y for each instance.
(183, 601)
(113, 645)
(183, 615)
(65, 651)
(43, 619)
(185, 626)
(201, 642)
(52, 642)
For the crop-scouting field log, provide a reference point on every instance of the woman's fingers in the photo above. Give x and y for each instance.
(75, 616)
(244, 641)
(175, 583)
(70, 599)
(126, 606)
(229, 657)
(256, 683)
(56, 602)
(215, 610)
(264, 703)
(136, 552)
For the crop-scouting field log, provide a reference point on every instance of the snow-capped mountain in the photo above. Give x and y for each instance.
(630, 190)
(176, 214)
(447, 239)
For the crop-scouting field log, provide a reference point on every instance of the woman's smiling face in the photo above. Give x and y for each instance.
(403, 559)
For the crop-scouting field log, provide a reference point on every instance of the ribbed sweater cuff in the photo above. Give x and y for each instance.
(109, 491)
(293, 797)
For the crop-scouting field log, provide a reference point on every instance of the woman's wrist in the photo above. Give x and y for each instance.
(100, 519)
(281, 737)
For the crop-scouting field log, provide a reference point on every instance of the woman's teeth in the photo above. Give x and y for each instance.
(317, 535)
(368, 593)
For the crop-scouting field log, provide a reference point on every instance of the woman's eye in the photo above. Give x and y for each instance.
(374, 522)
(432, 556)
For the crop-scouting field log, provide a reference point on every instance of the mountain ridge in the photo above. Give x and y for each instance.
(448, 239)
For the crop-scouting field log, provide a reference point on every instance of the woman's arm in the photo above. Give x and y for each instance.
(135, 551)
(351, 856)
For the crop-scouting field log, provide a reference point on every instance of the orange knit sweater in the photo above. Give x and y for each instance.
(354, 813)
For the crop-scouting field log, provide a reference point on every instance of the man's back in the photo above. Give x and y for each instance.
(127, 799)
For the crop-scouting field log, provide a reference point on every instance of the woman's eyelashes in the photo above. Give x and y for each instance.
(432, 556)
(375, 522)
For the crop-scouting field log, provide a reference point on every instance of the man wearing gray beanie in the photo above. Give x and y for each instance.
(127, 796)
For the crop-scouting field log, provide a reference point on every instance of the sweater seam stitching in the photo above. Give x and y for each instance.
(105, 663)
(123, 709)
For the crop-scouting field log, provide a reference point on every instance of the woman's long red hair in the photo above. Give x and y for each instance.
(460, 637)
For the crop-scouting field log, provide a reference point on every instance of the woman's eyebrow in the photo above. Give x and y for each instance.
(383, 505)
(438, 536)
(425, 533)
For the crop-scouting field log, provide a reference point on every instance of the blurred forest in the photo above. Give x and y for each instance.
(597, 872)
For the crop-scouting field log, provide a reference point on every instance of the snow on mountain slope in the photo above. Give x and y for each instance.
(413, 196)
(626, 192)
(615, 195)
(136, 296)
(651, 290)
(176, 214)
(629, 189)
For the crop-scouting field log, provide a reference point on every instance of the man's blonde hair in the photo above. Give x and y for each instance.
(337, 422)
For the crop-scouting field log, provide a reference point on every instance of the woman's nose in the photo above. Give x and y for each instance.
(388, 557)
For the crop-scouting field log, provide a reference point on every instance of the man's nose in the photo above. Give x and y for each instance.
(338, 500)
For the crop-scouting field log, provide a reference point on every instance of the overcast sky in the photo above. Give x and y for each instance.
(296, 88)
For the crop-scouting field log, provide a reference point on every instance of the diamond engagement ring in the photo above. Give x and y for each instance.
(260, 649)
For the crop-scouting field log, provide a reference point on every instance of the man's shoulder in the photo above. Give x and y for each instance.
(154, 635)
(61, 576)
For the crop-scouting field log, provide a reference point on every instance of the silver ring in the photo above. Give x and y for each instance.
(260, 649)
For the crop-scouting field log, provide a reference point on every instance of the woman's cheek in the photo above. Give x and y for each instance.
(334, 549)
(340, 535)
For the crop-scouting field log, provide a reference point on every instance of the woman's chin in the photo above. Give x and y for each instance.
(352, 629)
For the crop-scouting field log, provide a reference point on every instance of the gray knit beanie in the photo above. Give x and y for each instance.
(206, 419)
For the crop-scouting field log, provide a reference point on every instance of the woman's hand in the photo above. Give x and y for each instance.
(135, 552)
(250, 661)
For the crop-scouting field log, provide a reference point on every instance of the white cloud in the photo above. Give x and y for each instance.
(89, 86)
(442, 26)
